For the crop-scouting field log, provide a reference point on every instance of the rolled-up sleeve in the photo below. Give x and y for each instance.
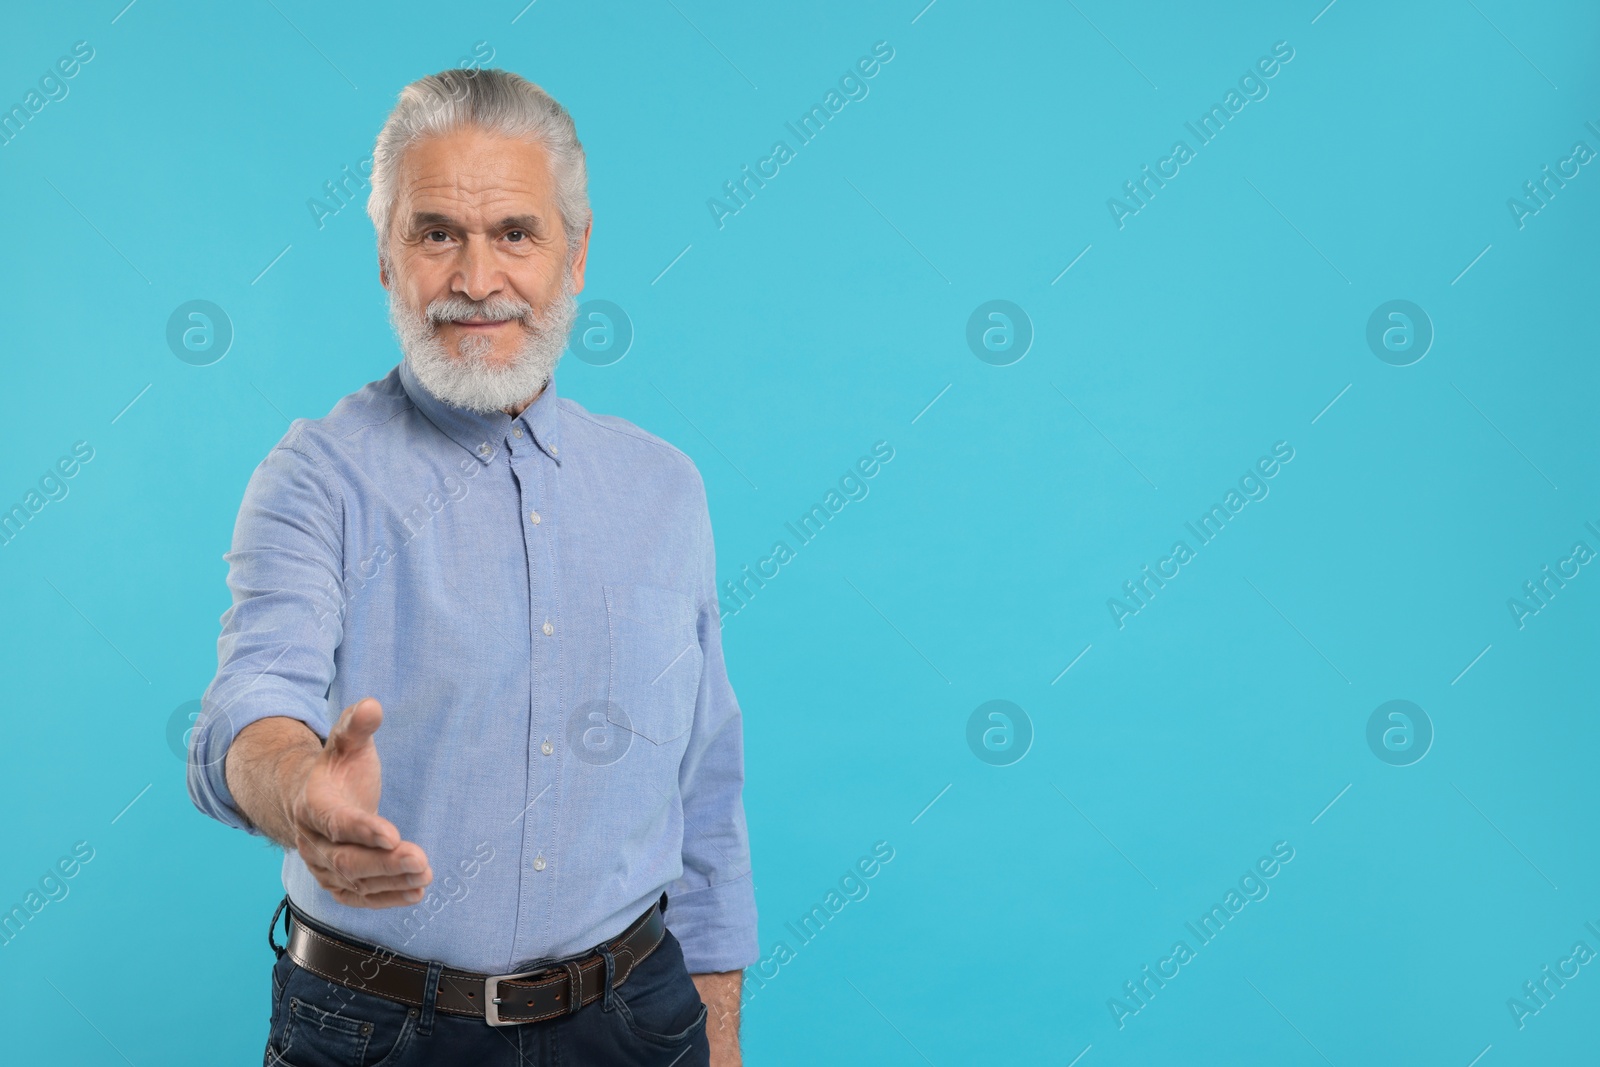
(711, 908)
(279, 636)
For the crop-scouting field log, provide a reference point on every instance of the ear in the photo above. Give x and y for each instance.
(580, 258)
(383, 273)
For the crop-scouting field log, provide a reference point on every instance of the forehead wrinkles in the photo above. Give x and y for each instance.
(472, 172)
(474, 190)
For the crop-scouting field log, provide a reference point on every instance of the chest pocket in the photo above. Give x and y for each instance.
(655, 662)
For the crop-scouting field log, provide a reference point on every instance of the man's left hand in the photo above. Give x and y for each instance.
(720, 992)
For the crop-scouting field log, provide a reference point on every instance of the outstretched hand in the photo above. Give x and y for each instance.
(355, 854)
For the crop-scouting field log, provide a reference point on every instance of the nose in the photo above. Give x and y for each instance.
(478, 277)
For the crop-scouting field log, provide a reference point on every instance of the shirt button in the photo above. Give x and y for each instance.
(554, 451)
(538, 863)
(533, 517)
(548, 629)
(547, 748)
(484, 450)
(516, 431)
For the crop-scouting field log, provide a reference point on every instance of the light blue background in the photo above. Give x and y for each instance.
(824, 317)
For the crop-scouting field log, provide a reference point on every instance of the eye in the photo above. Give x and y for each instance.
(431, 234)
(515, 234)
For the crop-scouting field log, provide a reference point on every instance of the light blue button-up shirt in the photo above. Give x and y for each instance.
(533, 602)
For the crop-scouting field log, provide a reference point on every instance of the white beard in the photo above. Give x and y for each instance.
(464, 380)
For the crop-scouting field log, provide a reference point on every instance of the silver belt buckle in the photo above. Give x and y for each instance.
(491, 1002)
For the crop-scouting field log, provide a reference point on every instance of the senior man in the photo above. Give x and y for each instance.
(508, 603)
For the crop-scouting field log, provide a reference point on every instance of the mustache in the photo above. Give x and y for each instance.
(494, 309)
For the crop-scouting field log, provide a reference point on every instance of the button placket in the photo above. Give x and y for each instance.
(539, 817)
(544, 697)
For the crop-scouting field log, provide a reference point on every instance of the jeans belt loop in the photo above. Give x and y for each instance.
(608, 999)
(430, 996)
(575, 984)
(272, 929)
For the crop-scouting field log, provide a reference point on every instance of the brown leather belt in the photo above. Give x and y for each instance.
(498, 999)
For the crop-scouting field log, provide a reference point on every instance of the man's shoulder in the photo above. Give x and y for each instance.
(368, 409)
(617, 436)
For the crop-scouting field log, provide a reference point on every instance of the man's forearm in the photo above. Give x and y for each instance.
(262, 765)
(720, 992)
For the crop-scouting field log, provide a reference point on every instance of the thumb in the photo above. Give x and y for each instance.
(353, 732)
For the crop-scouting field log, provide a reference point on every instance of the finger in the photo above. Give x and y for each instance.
(318, 858)
(325, 875)
(390, 899)
(347, 824)
(331, 879)
(355, 727)
(405, 858)
(356, 862)
(388, 883)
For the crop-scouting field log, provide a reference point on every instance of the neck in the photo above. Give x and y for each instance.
(517, 409)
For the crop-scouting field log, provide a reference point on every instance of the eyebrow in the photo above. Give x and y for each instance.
(532, 223)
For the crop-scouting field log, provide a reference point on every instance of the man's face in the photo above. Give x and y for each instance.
(475, 220)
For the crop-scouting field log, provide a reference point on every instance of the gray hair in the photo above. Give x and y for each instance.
(495, 101)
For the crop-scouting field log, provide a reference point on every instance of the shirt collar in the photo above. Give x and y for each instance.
(484, 435)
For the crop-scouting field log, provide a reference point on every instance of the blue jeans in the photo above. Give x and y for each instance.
(655, 1019)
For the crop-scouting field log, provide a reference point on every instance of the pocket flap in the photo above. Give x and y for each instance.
(655, 661)
(651, 605)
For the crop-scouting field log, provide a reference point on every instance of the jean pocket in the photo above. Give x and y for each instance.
(670, 1041)
(655, 662)
(323, 1024)
(659, 1003)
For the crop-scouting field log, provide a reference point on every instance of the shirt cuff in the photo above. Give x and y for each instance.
(214, 734)
(715, 925)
